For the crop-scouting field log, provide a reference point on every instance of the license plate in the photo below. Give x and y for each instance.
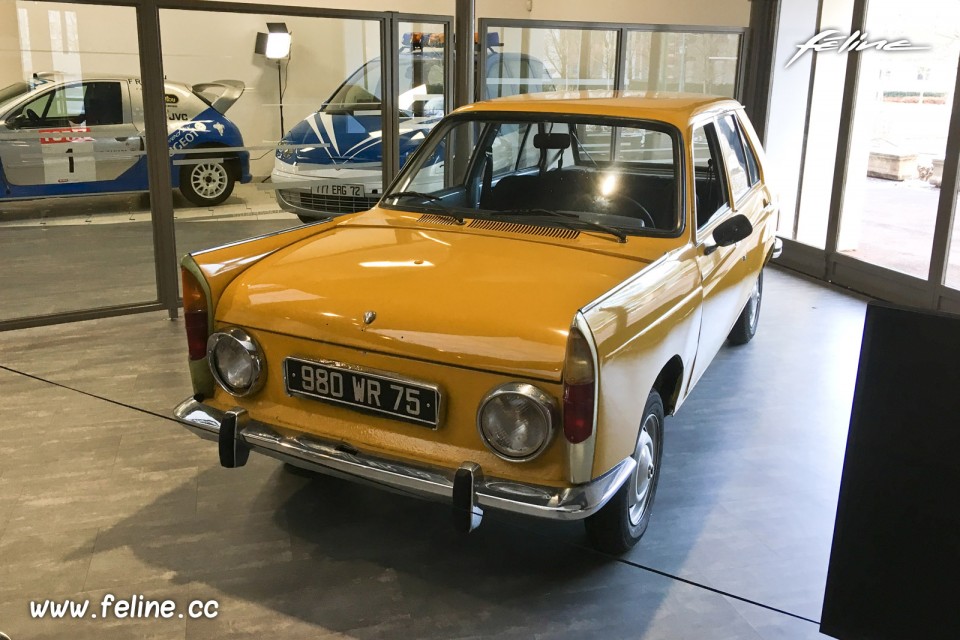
(378, 393)
(339, 189)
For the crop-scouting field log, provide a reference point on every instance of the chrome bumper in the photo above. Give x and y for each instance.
(777, 248)
(570, 503)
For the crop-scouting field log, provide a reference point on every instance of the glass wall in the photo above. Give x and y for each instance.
(681, 61)
(75, 226)
(953, 258)
(531, 59)
(900, 125)
(272, 120)
(569, 57)
(807, 221)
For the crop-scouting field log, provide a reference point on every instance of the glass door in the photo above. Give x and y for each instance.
(898, 136)
(76, 230)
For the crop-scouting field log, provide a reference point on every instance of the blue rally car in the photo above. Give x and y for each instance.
(84, 137)
(342, 174)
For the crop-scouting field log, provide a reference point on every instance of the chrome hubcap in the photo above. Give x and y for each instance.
(753, 305)
(646, 469)
(209, 179)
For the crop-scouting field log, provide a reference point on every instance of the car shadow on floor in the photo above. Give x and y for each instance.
(354, 559)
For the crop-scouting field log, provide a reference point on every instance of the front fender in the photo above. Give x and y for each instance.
(638, 328)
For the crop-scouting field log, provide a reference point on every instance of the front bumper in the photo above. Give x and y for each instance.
(556, 503)
(295, 195)
(777, 250)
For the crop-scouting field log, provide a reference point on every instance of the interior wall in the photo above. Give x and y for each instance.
(10, 70)
(729, 13)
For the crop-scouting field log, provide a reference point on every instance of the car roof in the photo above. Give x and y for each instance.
(676, 108)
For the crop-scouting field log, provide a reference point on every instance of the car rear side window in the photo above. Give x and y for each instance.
(753, 171)
(709, 182)
(734, 156)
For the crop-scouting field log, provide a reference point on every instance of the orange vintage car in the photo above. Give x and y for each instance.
(546, 279)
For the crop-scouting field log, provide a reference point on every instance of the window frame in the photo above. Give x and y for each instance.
(705, 231)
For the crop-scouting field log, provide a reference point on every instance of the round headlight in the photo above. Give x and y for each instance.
(236, 361)
(516, 421)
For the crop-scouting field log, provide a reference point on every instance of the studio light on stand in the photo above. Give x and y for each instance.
(275, 45)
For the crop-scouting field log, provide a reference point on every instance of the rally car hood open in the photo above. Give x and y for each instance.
(443, 295)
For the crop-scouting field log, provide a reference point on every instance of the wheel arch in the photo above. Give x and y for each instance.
(668, 384)
(230, 159)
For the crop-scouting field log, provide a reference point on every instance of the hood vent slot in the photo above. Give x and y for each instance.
(434, 219)
(529, 229)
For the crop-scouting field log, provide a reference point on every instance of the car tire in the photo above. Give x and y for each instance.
(207, 183)
(620, 524)
(746, 326)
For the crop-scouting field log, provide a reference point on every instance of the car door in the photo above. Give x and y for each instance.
(76, 133)
(718, 186)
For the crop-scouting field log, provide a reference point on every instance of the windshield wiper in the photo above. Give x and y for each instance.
(566, 215)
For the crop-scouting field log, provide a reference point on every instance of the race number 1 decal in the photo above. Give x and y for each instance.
(67, 156)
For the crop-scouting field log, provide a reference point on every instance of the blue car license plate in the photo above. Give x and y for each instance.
(380, 393)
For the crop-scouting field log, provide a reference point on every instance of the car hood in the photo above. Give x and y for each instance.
(457, 296)
(347, 138)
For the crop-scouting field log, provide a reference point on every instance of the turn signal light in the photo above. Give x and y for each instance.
(579, 397)
(195, 314)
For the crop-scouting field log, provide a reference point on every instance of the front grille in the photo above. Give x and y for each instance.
(529, 229)
(327, 204)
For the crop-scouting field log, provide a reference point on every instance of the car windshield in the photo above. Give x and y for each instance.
(573, 171)
(14, 90)
(421, 88)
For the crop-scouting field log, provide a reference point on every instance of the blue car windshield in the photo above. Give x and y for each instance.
(421, 88)
(14, 90)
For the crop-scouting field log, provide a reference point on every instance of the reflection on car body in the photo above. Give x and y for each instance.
(342, 173)
(546, 280)
(63, 137)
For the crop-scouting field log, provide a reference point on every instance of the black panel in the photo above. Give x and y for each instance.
(895, 563)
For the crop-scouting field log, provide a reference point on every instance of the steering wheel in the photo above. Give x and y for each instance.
(32, 116)
(645, 215)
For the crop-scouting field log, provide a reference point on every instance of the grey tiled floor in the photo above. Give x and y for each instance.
(100, 493)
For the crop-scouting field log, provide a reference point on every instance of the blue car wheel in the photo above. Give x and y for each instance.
(208, 182)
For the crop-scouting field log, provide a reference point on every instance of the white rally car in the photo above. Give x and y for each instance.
(73, 137)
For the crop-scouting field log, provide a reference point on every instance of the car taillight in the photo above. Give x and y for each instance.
(579, 397)
(195, 314)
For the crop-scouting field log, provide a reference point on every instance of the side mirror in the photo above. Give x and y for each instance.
(731, 232)
(18, 121)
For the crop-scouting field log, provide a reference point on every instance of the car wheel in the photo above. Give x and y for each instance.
(623, 520)
(207, 183)
(746, 325)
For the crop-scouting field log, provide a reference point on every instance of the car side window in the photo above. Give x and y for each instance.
(734, 155)
(102, 103)
(709, 180)
(505, 146)
(753, 171)
(90, 104)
